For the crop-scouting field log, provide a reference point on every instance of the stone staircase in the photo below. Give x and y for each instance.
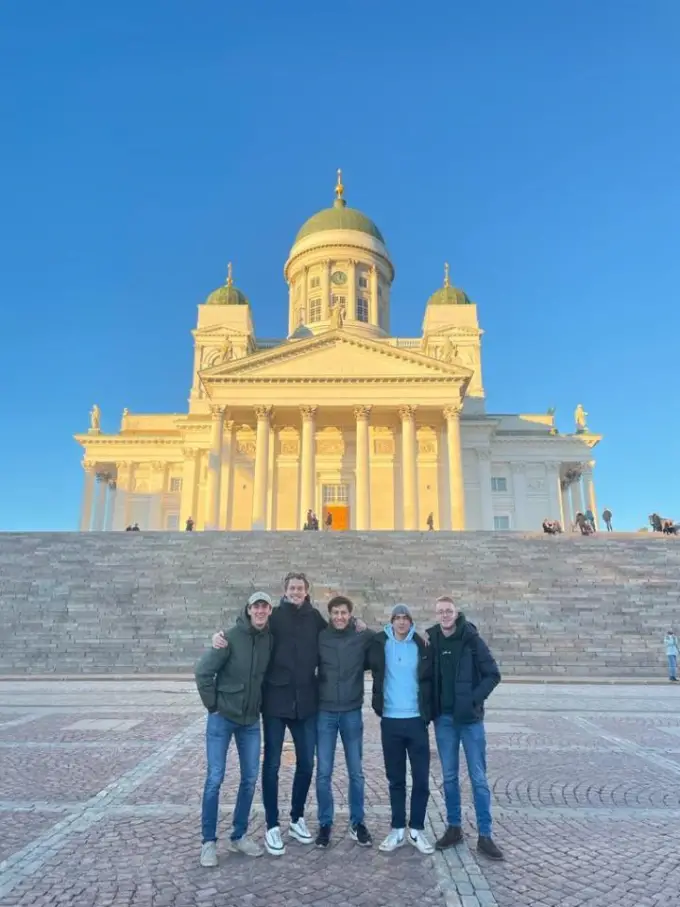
(117, 603)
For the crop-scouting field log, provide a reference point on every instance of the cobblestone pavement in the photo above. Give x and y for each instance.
(100, 787)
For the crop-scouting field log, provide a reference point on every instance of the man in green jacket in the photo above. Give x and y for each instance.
(229, 682)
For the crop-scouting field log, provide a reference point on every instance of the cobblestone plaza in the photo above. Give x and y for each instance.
(100, 799)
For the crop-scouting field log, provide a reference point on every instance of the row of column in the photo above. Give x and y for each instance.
(219, 460)
(350, 290)
(99, 500)
(578, 496)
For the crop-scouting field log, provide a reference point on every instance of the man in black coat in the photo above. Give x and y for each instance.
(464, 676)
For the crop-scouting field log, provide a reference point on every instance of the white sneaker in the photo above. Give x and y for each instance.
(419, 841)
(273, 842)
(245, 846)
(394, 839)
(300, 832)
(209, 854)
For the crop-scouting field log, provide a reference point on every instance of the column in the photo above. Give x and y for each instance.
(554, 493)
(484, 472)
(576, 496)
(326, 290)
(302, 304)
(110, 505)
(226, 480)
(100, 501)
(363, 469)
(519, 487)
(293, 307)
(373, 313)
(351, 310)
(187, 507)
(456, 484)
(123, 494)
(263, 414)
(212, 494)
(159, 473)
(88, 495)
(589, 489)
(409, 466)
(307, 464)
(567, 516)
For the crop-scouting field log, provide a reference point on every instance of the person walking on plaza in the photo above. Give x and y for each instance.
(289, 700)
(342, 654)
(607, 519)
(464, 676)
(670, 641)
(401, 664)
(229, 682)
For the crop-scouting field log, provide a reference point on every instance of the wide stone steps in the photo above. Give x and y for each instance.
(148, 602)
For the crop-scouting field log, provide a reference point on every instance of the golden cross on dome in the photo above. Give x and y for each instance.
(447, 282)
(230, 281)
(339, 188)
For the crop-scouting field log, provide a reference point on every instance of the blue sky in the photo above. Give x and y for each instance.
(532, 143)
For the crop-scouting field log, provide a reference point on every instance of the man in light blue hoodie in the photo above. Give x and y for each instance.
(401, 664)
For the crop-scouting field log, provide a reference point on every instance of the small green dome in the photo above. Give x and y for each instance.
(228, 294)
(339, 217)
(448, 295)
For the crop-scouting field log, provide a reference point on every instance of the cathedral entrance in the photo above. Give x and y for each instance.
(335, 500)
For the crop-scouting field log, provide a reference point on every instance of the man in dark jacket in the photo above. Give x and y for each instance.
(342, 656)
(401, 665)
(464, 676)
(229, 682)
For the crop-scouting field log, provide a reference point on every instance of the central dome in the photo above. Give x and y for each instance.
(339, 217)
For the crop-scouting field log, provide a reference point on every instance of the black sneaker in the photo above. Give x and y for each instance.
(489, 849)
(323, 839)
(361, 834)
(452, 836)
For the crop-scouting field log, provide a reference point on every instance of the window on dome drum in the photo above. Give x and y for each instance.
(501, 522)
(499, 483)
(362, 309)
(363, 283)
(314, 283)
(339, 300)
(175, 484)
(315, 310)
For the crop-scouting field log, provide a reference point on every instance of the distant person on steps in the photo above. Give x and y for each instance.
(607, 519)
(670, 641)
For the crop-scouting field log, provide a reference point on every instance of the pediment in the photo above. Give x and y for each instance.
(341, 355)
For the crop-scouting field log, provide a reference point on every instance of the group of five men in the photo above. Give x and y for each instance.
(307, 675)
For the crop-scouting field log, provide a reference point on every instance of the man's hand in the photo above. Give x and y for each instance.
(423, 638)
(219, 641)
(360, 625)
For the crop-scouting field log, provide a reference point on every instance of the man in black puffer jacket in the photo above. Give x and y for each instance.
(464, 676)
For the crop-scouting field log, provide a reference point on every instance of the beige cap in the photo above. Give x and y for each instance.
(259, 597)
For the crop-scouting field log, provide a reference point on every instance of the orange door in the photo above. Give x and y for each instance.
(340, 514)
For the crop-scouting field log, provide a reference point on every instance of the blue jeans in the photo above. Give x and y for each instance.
(218, 733)
(672, 666)
(303, 732)
(449, 737)
(350, 725)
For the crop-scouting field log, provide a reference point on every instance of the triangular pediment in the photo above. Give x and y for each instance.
(339, 354)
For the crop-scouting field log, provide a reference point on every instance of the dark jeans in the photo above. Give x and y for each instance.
(218, 734)
(350, 726)
(303, 732)
(608, 524)
(449, 736)
(401, 737)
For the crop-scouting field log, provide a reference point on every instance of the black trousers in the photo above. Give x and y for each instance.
(403, 737)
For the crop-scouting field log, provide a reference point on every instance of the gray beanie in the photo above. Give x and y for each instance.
(400, 610)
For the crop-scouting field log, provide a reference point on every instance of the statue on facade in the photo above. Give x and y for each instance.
(337, 317)
(95, 418)
(227, 351)
(580, 416)
(450, 351)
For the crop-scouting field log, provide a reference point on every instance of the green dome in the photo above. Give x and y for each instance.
(228, 294)
(448, 295)
(339, 217)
